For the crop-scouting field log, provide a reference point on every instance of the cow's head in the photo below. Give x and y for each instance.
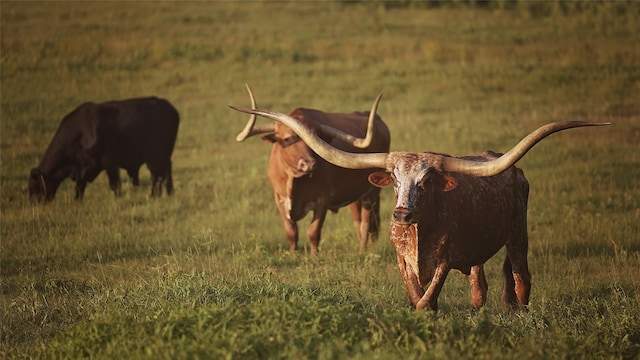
(43, 185)
(417, 179)
(40, 187)
(288, 148)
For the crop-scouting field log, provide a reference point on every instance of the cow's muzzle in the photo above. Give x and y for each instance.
(404, 216)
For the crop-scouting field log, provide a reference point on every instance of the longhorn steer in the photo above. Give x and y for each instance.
(108, 136)
(450, 212)
(303, 182)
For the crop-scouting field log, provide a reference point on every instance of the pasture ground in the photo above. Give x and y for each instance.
(206, 273)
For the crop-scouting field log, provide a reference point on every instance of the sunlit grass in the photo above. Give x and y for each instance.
(206, 273)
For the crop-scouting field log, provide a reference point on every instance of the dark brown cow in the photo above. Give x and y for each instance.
(450, 212)
(109, 136)
(303, 182)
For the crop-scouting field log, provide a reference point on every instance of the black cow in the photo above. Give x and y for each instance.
(108, 136)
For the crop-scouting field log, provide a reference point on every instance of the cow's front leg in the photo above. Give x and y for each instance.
(113, 174)
(430, 297)
(414, 290)
(479, 286)
(291, 232)
(315, 229)
(290, 227)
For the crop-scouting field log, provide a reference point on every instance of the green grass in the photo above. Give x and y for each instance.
(207, 274)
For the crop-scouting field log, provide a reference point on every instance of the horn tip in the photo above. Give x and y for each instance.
(241, 109)
(579, 123)
(604, 123)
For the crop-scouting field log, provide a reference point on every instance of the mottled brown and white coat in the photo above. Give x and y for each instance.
(450, 212)
(302, 182)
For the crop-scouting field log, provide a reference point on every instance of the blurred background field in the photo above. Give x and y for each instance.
(206, 273)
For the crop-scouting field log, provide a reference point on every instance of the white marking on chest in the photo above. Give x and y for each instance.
(286, 201)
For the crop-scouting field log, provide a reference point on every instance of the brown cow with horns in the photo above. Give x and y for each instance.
(303, 182)
(450, 212)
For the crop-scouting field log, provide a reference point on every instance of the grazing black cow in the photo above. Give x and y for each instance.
(109, 136)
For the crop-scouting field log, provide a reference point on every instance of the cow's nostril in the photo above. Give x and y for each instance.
(403, 216)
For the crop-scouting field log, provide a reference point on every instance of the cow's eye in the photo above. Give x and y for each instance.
(283, 141)
(393, 178)
(289, 140)
(428, 177)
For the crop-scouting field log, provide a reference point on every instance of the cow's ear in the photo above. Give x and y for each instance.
(269, 138)
(449, 183)
(380, 179)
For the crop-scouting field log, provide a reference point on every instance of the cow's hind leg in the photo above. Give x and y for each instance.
(374, 216)
(135, 178)
(159, 174)
(517, 279)
(156, 184)
(113, 173)
(80, 186)
(509, 298)
(523, 287)
(365, 214)
(517, 249)
(359, 224)
(517, 282)
(479, 286)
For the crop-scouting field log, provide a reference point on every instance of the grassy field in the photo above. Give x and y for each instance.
(206, 273)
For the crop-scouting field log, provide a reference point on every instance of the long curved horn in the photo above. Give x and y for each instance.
(493, 167)
(326, 151)
(370, 125)
(361, 143)
(249, 129)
